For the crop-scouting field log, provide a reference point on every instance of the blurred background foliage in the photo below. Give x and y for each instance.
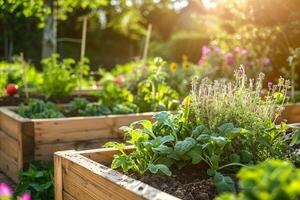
(116, 29)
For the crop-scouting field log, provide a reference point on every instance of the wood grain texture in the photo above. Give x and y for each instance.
(291, 114)
(86, 179)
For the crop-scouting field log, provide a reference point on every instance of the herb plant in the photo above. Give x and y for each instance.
(241, 101)
(38, 109)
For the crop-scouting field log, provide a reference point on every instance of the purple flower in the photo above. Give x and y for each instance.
(205, 51)
(270, 84)
(240, 50)
(229, 58)
(262, 92)
(267, 61)
(5, 190)
(242, 72)
(26, 196)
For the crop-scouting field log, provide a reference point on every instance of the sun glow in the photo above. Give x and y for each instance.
(209, 4)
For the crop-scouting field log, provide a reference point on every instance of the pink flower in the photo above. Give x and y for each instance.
(229, 58)
(267, 61)
(237, 49)
(270, 84)
(217, 49)
(26, 196)
(204, 53)
(244, 51)
(242, 72)
(5, 190)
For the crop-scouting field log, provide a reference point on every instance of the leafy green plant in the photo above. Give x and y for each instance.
(38, 109)
(86, 108)
(60, 78)
(272, 179)
(37, 180)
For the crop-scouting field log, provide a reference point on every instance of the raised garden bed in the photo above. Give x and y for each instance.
(24, 140)
(84, 175)
(291, 113)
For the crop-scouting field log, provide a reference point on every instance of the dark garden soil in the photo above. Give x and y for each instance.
(189, 183)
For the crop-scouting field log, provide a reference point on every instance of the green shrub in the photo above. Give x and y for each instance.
(60, 77)
(272, 180)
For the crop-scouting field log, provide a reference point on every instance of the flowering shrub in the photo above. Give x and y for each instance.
(6, 193)
(222, 62)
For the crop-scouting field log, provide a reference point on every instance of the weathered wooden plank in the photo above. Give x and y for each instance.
(104, 155)
(9, 166)
(94, 179)
(67, 196)
(44, 152)
(9, 145)
(84, 124)
(58, 178)
(71, 124)
(10, 126)
(81, 183)
(74, 136)
(291, 114)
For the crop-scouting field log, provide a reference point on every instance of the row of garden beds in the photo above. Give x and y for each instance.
(24, 140)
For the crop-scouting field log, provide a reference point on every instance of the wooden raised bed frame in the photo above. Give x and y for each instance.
(24, 140)
(84, 175)
(291, 113)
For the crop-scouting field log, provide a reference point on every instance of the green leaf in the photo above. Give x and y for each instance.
(181, 147)
(165, 139)
(162, 149)
(219, 140)
(159, 167)
(147, 127)
(229, 130)
(120, 146)
(200, 130)
(296, 137)
(246, 156)
(164, 117)
(195, 154)
(223, 183)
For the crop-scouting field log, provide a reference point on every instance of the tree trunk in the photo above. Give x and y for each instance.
(49, 45)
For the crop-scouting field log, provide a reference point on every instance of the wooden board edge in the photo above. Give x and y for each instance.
(79, 158)
(58, 190)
